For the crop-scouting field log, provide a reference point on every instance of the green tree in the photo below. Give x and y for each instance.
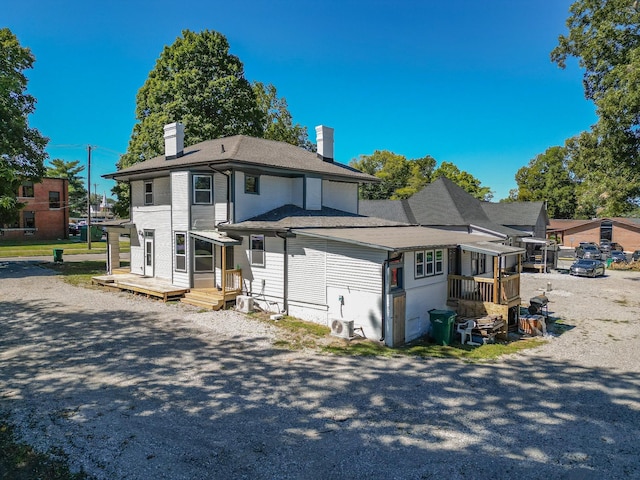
(548, 178)
(77, 192)
(420, 175)
(198, 82)
(604, 35)
(463, 179)
(278, 122)
(393, 171)
(22, 153)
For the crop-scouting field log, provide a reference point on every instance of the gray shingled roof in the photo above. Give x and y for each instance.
(241, 151)
(441, 203)
(399, 238)
(392, 209)
(292, 216)
(514, 213)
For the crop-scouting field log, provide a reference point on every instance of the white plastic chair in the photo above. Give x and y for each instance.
(465, 329)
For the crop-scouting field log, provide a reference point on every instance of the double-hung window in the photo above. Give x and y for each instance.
(181, 252)
(148, 192)
(54, 199)
(27, 189)
(478, 263)
(202, 189)
(257, 250)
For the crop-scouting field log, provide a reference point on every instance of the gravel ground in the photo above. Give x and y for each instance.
(130, 388)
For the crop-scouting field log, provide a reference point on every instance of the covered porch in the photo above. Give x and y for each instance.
(496, 292)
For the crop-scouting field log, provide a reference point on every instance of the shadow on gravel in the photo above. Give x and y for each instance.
(23, 269)
(128, 396)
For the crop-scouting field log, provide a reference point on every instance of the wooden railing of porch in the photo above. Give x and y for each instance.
(232, 282)
(483, 289)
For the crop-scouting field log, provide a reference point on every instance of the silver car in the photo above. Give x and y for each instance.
(587, 268)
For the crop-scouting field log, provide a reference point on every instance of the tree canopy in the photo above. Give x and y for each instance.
(547, 178)
(199, 83)
(22, 153)
(77, 192)
(604, 35)
(400, 178)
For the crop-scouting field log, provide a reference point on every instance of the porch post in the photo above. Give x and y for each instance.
(496, 279)
(223, 280)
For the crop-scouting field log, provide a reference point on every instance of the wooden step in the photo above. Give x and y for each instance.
(210, 303)
(204, 295)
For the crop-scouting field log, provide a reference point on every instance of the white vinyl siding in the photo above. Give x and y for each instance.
(313, 193)
(158, 219)
(340, 195)
(353, 266)
(307, 270)
(180, 219)
(220, 197)
(162, 191)
(274, 192)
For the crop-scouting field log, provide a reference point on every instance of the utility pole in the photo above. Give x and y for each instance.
(89, 198)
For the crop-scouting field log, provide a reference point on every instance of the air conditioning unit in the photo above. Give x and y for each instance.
(244, 303)
(342, 328)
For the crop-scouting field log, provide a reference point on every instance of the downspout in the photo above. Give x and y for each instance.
(285, 280)
(385, 266)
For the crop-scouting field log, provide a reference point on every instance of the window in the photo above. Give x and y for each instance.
(148, 193)
(29, 221)
(478, 263)
(439, 262)
(181, 252)
(419, 264)
(396, 276)
(252, 184)
(27, 189)
(203, 255)
(202, 189)
(54, 199)
(429, 262)
(257, 250)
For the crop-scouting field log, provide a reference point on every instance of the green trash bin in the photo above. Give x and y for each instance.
(609, 262)
(442, 323)
(57, 255)
(96, 233)
(83, 233)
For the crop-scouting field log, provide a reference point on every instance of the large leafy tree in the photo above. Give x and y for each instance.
(198, 82)
(22, 153)
(77, 192)
(548, 178)
(463, 179)
(278, 122)
(604, 35)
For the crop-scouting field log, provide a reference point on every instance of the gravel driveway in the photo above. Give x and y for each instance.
(131, 388)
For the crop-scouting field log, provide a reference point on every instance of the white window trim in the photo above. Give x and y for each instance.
(176, 254)
(251, 250)
(147, 194)
(208, 190)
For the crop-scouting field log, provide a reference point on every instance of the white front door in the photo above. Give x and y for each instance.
(148, 253)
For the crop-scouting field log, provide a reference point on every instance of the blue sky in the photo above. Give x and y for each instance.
(464, 81)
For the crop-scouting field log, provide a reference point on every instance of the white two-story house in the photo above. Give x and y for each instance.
(280, 225)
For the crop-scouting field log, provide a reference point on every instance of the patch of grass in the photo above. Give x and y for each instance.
(296, 334)
(78, 273)
(29, 248)
(19, 461)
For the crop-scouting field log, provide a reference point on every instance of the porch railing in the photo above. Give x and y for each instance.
(233, 281)
(482, 289)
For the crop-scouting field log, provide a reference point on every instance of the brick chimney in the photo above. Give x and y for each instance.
(173, 140)
(324, 139)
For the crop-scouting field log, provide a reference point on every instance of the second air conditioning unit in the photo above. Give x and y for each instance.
(342, 328)
(244, 303)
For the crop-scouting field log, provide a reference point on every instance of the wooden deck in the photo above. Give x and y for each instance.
(151, 287)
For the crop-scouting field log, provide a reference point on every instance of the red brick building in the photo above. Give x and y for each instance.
(625, 231)
(46, 213)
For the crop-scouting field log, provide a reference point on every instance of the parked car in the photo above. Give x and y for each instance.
(588, 251)
(616, 246)
(618, 257)
(587, 268)
(73, 229)
(635, 256)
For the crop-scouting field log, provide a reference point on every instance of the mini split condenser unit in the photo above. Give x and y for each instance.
(342, 328)
(244, 303)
